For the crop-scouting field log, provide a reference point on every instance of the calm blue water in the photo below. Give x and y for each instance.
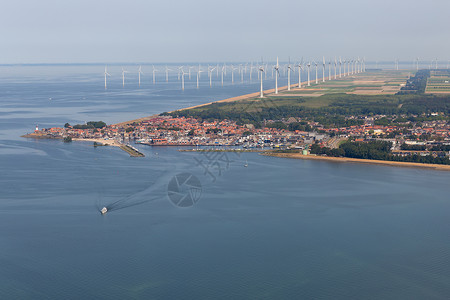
(279, 229)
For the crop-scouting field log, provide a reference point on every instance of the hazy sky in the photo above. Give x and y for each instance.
(65, 31)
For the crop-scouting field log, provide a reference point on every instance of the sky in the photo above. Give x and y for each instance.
(149, 31)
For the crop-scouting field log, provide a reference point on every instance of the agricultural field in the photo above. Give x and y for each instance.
(372, 82)
(439, 82)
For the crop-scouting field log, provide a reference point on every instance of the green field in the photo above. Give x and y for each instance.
(368, 83)
(439, 82)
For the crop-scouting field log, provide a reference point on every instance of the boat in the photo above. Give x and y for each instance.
(246, 164)
(104, 210)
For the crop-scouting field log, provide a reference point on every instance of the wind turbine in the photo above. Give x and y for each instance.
(223, 67)
(123, 77)
(232, 73)
(261, 70)
(210, 70)
(340, 67)
(335, 67)
(189, 71)
(300, 67)
(182, 77)
(199, 68)
(276, 68)
(251, 70)
(106, 74)
(198, 75)
(317, 79)
(167, 74)
(153, 74)
(323, 69)
(140, 72)
(309, 67)
(289, 74)
(329, 69)
(241, 70)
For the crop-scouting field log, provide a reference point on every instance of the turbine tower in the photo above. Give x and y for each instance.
(223, 67)
(140, 72)
(210, 70)
(289, 69)
(167, 74)
(123, 77)
(309, 67)
(182, 77)
(153, 74)
(317, 78)
(300, 67)
(106, 74)
(335, 67)
(276, 68)
(323, 69)
(329, 69)
(261, 70)
(198, 75)
(340, 67)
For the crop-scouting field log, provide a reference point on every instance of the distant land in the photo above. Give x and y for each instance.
(375, 115)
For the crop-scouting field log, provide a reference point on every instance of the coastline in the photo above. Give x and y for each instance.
(361, 161)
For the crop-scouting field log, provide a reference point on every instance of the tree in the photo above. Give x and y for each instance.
(67, 139)
(67, 125)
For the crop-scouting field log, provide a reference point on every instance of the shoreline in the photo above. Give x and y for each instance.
(361, 161)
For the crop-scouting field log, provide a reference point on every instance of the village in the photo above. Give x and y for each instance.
(406, 137)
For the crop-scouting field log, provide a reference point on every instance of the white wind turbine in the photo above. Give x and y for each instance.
(210, 70)
(329, 69)
(189, 71)
(198, 73)
(199, 70)
(241, 70)
(309, 67)
(167, 74)
(277, 73)
(123, 77)
(182, 77)
(323, 69)
(106, 74)
(251, 71)
(153, 74)
(139, 76)
(223, 70)
(317, 78)
(289, 70)
(340, 67)
(261, 70)
(232, 73)
(300, 67)
(335, 68)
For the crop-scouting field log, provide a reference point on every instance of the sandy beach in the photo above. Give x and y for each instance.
(362, 161)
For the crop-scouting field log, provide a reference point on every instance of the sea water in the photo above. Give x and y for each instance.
(277, 229)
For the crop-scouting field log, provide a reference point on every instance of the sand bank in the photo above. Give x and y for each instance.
(363, 161)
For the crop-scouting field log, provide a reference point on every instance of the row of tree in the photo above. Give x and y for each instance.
(377, 150)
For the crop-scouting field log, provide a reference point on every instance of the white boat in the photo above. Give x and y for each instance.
(104, 210)
(246, 163)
